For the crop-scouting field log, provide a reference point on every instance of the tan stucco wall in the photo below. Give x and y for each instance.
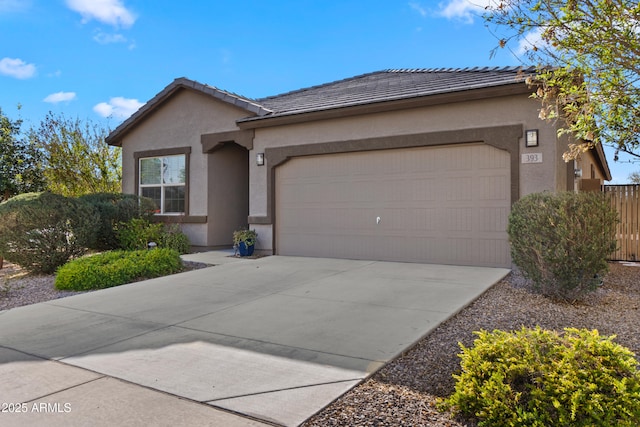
(180, 122)
(188, 115)
(516, 109)
(592, 174)
(587, 162)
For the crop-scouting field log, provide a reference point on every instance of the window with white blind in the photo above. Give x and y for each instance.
(163, 179)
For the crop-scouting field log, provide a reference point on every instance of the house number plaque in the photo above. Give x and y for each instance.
(532, 158)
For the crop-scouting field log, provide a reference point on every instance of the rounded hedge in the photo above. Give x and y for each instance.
(536, 377)
(116, 268)
(42, 231)
(115, 208)
(561, 241)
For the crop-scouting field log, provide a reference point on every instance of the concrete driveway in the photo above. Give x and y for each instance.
(271, 340)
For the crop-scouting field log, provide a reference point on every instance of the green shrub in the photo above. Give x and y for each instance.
(113, 209)
(116, 268)
(535, 377)
(172, 237)
(248, 237)
(561, 241)
(137, 233)
(42, 231)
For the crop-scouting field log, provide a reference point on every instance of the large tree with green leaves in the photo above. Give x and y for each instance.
(77, 160)
(588, 54)
(20, 169)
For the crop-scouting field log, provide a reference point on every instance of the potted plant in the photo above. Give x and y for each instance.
(244, 241)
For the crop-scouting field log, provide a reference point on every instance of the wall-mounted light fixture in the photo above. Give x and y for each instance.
(260, 159)
(531, 139)
(577, 173)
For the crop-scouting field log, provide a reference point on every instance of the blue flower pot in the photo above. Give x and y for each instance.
(244, 249)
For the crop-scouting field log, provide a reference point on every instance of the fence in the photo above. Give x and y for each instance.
(626, 200)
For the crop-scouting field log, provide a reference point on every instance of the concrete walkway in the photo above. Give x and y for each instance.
(244, 343)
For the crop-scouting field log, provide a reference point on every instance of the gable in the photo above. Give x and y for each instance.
(245, 105)
(187, 115)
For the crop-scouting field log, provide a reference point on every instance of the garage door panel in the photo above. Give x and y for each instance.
(424, 189)
(491, 187)
(459, 220)
(440, 204)
(491, 220)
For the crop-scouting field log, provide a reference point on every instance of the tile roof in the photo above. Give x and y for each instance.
(390, 85)
(371, 88)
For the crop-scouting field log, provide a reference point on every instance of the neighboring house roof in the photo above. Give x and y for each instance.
(367, 89)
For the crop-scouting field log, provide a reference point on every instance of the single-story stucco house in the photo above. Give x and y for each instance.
(414, 165)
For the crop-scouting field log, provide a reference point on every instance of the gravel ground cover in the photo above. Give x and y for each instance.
(405, 391)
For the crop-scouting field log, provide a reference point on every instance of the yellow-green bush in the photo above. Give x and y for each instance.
(536, 377)
(116, 268)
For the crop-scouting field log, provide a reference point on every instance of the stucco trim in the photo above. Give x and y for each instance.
(167, 152)
(212, 141)
(181, 219)
(502, 137)
(570, 171)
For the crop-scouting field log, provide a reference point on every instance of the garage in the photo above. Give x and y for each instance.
(445, 204)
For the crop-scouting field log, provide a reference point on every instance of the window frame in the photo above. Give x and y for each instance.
(186, 151)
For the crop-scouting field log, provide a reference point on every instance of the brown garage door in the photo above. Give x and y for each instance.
(445, 205)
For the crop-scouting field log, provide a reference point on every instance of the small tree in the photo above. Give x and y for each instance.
(588, 54)
(77, 160)
(561, 241)
(20, 168)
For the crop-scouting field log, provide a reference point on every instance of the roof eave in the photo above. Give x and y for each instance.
(604, 164)
(515, 88)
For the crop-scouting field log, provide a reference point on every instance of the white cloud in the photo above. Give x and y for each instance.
(418, 8)
(465, 10)
(105, 38)
(531, 39)
(118, 107)
(112, 12)
(54, 98)
(9, 6)
(17, 68)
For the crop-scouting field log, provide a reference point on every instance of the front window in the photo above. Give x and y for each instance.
(163, 179)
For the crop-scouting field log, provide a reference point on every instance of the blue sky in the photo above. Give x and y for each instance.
(102, 59)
